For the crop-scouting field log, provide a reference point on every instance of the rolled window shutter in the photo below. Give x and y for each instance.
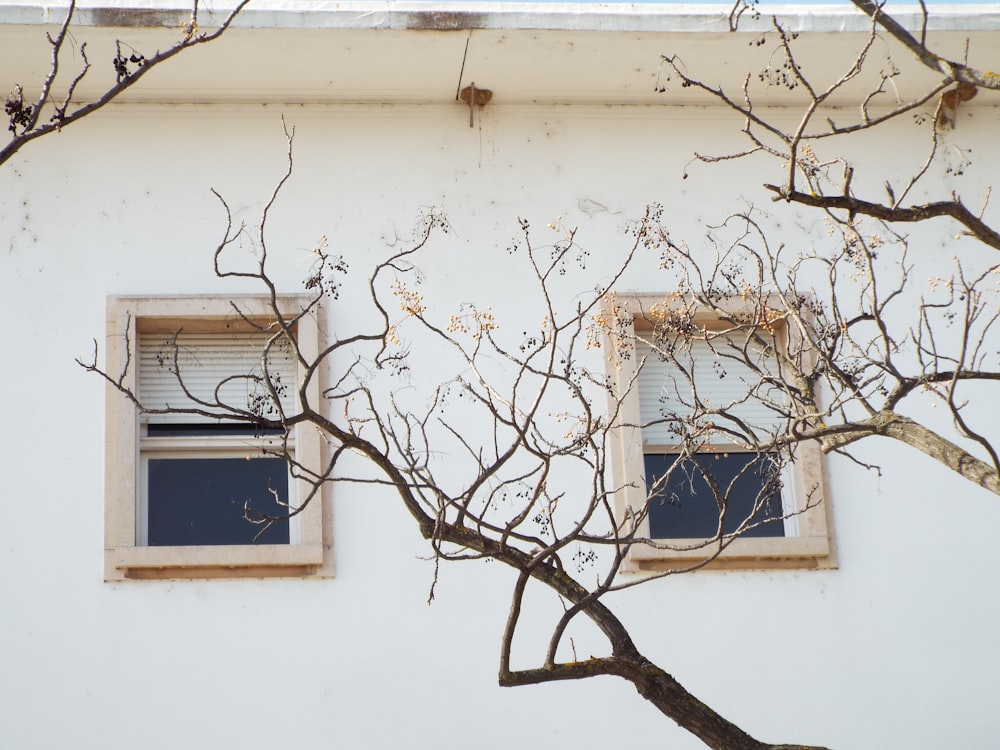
(206, 359)
(721, 382)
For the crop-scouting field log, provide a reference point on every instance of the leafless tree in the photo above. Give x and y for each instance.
(57, 105)
(870, 358)
(831, 343)
(529, 488)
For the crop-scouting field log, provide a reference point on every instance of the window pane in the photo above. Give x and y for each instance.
(684, 506)
(194, 429)
(196, 501)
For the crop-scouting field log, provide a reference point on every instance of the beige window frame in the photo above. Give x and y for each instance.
(810, 545)
(124, 558)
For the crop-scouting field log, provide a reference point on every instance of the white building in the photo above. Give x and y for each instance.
(889, 643)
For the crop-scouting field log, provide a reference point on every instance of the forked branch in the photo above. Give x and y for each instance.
(25, 119)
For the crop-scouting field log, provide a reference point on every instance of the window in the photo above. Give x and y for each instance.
(189, 494)
(723, 500)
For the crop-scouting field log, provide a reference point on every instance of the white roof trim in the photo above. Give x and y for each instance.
(448, 16)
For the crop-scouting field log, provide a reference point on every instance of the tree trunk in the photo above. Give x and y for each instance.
(668, 695)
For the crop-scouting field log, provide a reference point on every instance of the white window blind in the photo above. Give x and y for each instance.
(721, 382)
(204, 360)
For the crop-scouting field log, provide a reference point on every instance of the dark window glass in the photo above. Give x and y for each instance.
(197, 429)
(200, 500)
(685, 507)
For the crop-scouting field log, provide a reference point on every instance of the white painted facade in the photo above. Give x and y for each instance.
(893, 648)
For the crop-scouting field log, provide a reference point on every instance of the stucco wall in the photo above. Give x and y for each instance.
(892, 649)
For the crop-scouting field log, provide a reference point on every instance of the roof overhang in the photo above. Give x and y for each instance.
(415, 52)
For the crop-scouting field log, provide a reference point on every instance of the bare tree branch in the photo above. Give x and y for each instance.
(24, 119)
(854, 206)
(954, 71)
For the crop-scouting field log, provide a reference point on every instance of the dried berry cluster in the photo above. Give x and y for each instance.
(20, 114)
(121, 64)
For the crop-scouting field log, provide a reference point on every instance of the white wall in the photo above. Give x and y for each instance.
(893, 649)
